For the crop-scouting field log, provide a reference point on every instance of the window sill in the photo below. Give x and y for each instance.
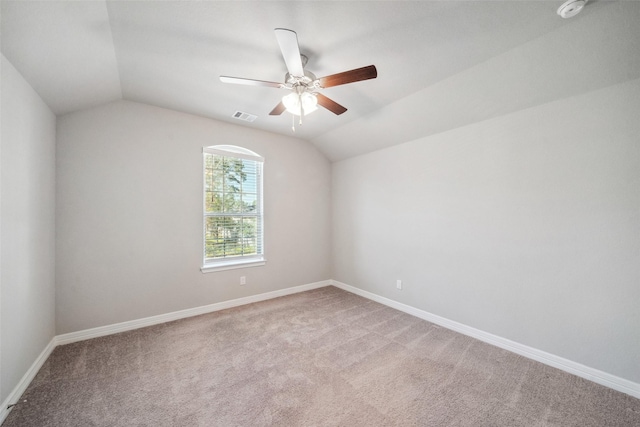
(231, 265)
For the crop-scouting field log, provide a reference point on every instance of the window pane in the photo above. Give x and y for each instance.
(249, 202)
(222, 234)
(250, 185)
(220, 162)
(250, 166)
(212, 173)
(216, 180)
(233, 175)
(208, 180)
(214, 237)
(249, 231)
(232, 203)
(213, 201)
(230, 236)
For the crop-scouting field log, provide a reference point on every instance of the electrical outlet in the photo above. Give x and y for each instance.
(243, 280)
(399, 284)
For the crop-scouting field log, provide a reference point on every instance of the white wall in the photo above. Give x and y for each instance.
(129, 214)
(27, 228)
(526, 226)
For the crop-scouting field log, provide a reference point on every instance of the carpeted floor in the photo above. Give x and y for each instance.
(320, 358)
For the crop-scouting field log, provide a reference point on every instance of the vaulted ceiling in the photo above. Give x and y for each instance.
(441, 64)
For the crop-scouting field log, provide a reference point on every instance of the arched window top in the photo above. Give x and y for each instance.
(234, 151)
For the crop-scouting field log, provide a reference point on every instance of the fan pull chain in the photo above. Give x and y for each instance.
(301, 109)
(300, 114)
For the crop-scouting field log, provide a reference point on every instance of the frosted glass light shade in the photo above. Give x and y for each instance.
(294, 101)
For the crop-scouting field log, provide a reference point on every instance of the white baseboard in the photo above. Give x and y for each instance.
(139, 323)
(26, 380)
(603, 378)
(608, 380)
(182, 314)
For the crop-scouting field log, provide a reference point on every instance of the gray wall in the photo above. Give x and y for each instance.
(129, 214)
(27, 228)
(526, 226)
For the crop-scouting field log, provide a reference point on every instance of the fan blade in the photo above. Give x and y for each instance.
(288, 41)
(359, 74)
(330, 104)
(278, 110)
(249, 82)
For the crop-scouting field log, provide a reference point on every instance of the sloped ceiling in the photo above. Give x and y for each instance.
(441, 64)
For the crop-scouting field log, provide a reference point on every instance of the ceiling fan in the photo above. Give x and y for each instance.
(304, 85)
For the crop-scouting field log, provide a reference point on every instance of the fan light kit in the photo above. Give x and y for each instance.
(305, 88)
(571, 8)
(300, 103)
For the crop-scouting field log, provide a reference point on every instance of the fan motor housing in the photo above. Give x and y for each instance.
(305, 80)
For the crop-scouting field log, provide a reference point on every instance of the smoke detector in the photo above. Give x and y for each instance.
(571, 8)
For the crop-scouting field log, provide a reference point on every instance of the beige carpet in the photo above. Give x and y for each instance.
(320, 358)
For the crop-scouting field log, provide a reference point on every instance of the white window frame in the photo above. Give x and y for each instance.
(240, 261)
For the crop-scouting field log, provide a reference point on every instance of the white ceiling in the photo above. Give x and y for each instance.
(441, 64)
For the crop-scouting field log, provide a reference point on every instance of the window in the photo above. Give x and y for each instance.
(233, 235)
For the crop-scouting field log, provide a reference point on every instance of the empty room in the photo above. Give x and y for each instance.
(320, 213)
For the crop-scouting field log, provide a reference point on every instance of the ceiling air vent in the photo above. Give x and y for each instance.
(244, 116)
